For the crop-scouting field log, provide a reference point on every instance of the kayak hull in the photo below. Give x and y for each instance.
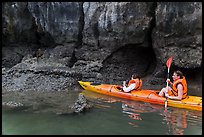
(151, 96)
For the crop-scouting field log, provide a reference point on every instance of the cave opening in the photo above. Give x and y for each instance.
(128, 60)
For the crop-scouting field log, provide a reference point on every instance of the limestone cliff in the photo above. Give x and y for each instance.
(98, 41)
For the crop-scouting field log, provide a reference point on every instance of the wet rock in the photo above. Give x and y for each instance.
(11, 104)
(81, 104)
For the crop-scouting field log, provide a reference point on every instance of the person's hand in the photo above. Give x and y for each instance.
(124, 83)
(168, 80)
(167, 95)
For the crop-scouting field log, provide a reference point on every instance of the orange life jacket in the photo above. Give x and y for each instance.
(137, 82)
(174, 91)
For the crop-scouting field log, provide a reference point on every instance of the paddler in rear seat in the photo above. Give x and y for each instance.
(177, 89)
(134, 84)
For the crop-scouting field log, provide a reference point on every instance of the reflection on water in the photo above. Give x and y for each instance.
(176, 119)
(110, 116)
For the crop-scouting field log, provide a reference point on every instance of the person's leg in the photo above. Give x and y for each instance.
(162, 92)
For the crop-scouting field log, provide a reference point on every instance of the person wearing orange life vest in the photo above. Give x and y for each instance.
(134, 84)
(177, 89)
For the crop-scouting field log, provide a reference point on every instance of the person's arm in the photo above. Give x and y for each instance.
(128, 89)
(180, 93)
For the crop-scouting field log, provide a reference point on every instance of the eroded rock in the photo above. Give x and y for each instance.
(81, 104)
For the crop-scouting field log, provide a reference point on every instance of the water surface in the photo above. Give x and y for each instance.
(109, 116)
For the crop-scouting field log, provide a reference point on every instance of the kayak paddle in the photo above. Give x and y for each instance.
(168, 64)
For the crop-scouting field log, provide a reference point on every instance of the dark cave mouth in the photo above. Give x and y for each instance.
(128, 60)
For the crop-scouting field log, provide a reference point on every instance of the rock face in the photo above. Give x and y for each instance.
(60, 20)
(81, 104)
(119, 23)
(98, 41)
(178, 33)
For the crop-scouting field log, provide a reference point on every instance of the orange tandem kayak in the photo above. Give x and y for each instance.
(151, 96)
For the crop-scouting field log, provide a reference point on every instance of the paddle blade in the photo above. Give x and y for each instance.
(169, 61)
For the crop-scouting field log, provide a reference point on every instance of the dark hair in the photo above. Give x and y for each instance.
(135, 77)
(179, 73)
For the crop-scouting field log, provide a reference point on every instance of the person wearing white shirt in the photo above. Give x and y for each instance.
(134, 84)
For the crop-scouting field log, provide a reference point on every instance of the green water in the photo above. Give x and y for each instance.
(109, 116)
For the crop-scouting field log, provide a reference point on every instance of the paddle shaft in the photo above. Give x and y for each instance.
(167, 88)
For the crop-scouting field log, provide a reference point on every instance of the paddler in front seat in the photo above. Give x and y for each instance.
(178, 89)
(134, 84)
